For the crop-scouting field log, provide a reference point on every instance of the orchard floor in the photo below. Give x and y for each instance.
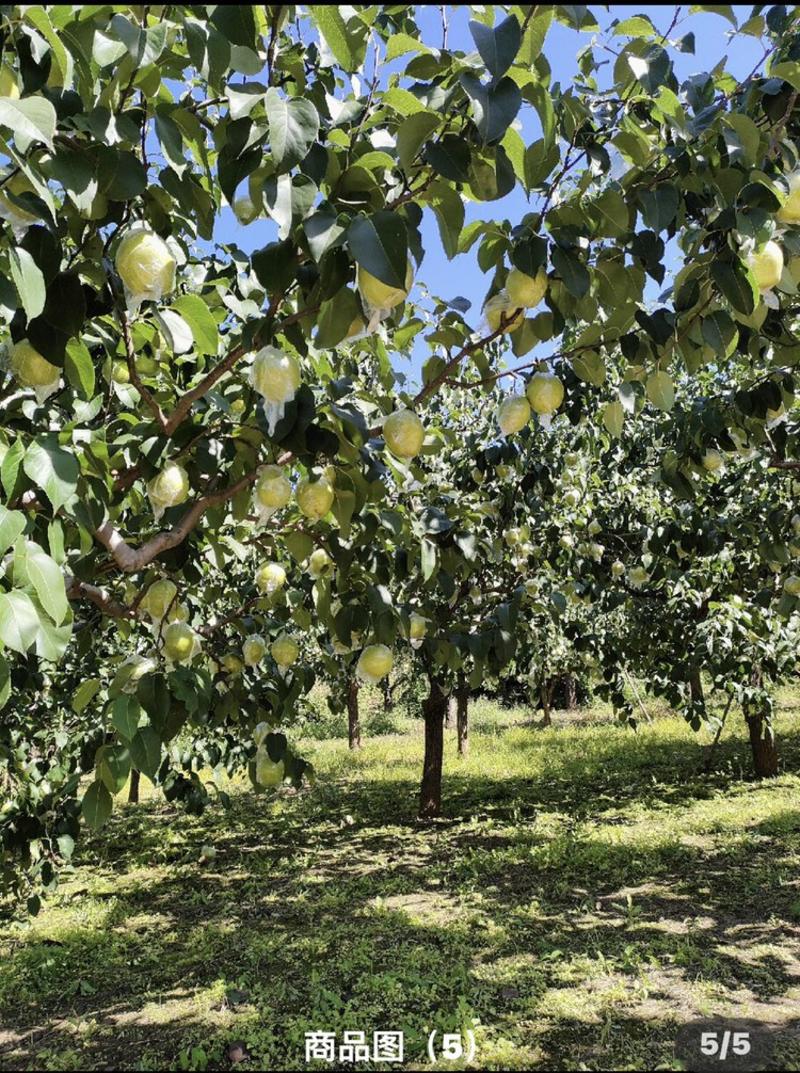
(589, 900)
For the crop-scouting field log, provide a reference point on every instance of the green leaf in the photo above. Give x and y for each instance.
(590, 367)
(380, 244)
(533, 41)
(540, 159)
(113, 764)
(747, 135)
(37, 16)
(169, 135)
(197, 315)
(146, 751)
(5, 682)
(428, 549)
(347, 46)
(97, 805)
(335, 317)
(573, 272)
(53, 469)
(736, 285)
(85, 694)
(789, 72)
(725, 10)
(652, 68)
(529, 254)
(120, 174)
(144, 46)
(12, 525)
(343, 507)
(154, 696)
(9, 467)
(449, 210)
(51, 640)
(659, 206)
(661, 390)
(498, 45)
(612, 212)
(400, 44)
(402, 101)
(31, 119)
(614, 418)
(494, 107)
(66, 845)
(28, 280)
(299, 545)
(636, 26)
(293, 128)
(720, 332)
(542, 101)
(449, 157)
(19, 622)
(79, 368)
(412, 134)
(46, 577)
(236, 23)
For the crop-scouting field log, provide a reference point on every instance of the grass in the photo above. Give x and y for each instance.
(590, 901)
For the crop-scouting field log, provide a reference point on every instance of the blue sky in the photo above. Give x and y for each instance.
(715, 42)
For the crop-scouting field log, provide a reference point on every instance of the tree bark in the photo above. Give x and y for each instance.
(696, 692)
(570, 692)
(430, 793)
(353, 717)
(762, 737)
(544, 693)
(763, 746)
(462, 723)
(133, 788)
(388, 699)
(452, 712)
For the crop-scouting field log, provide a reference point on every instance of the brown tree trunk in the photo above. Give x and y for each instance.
(462, 719)
(570, 692)
(353, 718)
(430, 793)
(763, 746)
(452, 712)
(762, 737)
(388, 699)
(696, 692)
(544, 693)
(133, 788)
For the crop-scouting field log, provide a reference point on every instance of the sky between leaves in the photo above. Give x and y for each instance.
(715, 40)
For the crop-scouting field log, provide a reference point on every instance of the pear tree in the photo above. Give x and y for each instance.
(165, 382)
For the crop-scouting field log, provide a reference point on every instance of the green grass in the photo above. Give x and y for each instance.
(588, 896)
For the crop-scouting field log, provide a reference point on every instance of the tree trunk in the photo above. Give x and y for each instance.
(462, 703)
(353, 719)
(570, 692)
(696, 693)
(388, 699)
(762, 737)
(133, 788)
(430, 793)
(544, 693)
(762, 743)
(452, 712)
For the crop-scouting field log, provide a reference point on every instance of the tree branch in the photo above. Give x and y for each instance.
(273, 41)
(82, 590)
(130, 358)
(782, 463)
(465, 351)
(130, 560)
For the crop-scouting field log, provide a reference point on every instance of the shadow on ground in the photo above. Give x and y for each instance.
(600, 917)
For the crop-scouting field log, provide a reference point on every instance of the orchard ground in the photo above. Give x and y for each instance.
(589, 894)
